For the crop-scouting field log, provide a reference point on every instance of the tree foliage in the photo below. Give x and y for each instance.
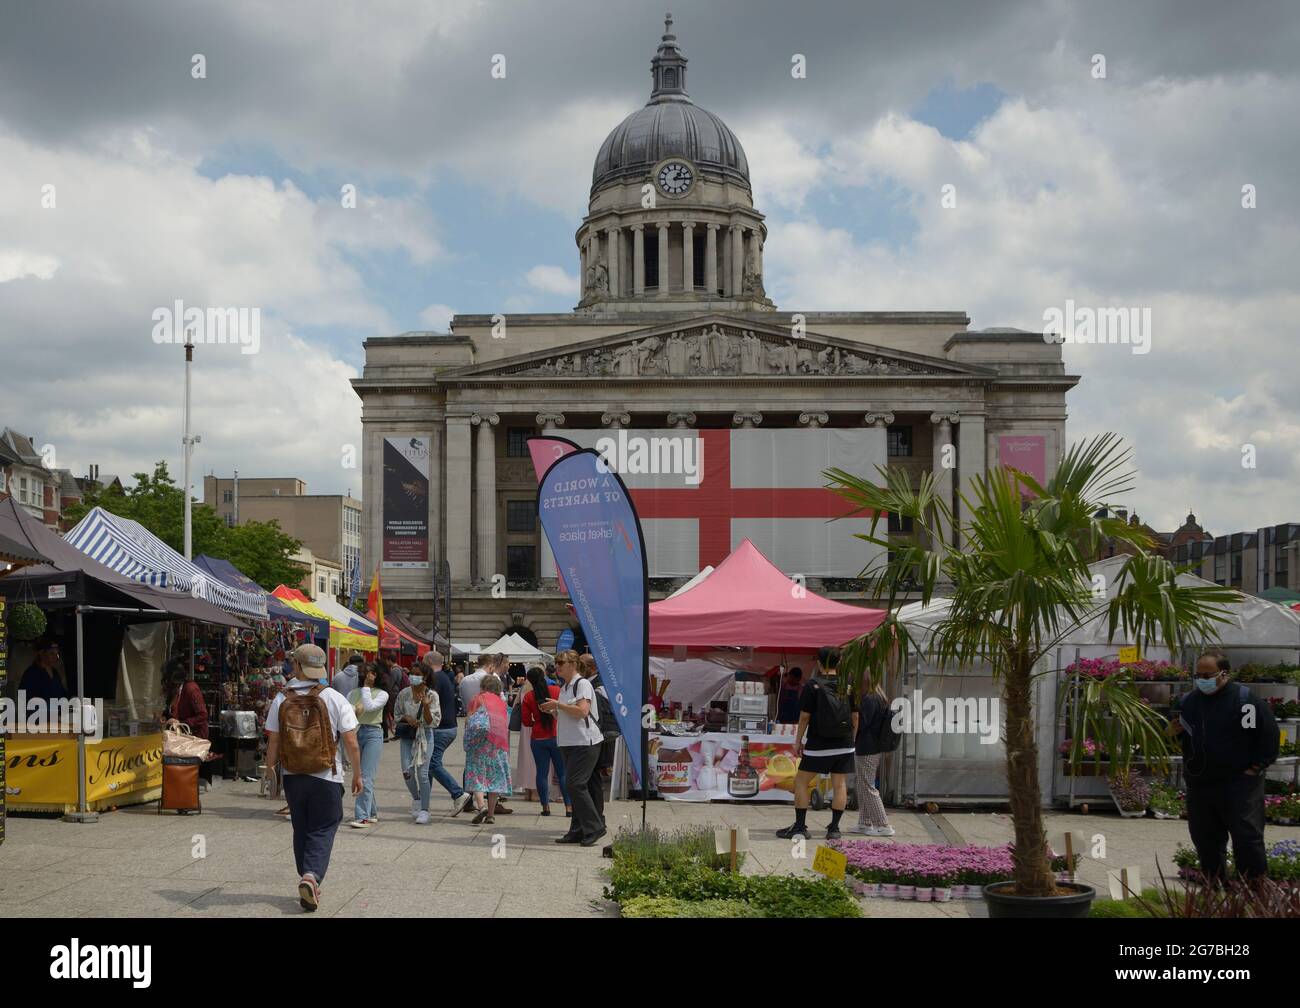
(1017, 584)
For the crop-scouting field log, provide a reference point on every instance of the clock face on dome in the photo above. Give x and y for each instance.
(675, 177)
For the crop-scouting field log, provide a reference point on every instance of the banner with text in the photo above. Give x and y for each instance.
(406, 502)
(592, 527)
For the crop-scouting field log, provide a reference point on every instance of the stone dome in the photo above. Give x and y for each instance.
(669, 125)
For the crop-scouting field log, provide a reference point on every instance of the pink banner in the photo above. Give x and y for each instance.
(1028, 454)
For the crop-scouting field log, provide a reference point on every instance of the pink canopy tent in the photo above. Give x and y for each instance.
(747, 602)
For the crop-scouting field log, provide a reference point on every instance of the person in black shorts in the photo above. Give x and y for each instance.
(824, 743)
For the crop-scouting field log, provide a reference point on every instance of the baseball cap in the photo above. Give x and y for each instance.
(309, 656)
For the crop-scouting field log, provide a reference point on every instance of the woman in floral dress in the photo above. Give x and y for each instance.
(487, 749)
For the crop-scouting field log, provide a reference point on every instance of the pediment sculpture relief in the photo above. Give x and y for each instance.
(716, 350)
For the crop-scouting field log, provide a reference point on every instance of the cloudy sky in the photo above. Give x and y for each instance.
(1117, 190)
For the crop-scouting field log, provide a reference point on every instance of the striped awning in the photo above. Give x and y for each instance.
(133, 551)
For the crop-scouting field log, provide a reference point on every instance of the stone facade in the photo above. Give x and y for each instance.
(669, 353)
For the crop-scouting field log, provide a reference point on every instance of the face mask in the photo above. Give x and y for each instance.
(417, 680)
(1207, 685)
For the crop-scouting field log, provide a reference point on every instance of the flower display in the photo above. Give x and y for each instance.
(1141, 670)
(925, 865)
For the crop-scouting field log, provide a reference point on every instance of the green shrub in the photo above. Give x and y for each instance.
(651, 846)
(667, 906)
(684, 880)
(794, 896)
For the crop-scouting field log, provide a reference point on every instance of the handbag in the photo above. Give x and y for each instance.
(517, 716)
(179, 740)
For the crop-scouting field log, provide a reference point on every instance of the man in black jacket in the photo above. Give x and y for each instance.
(1229, 739)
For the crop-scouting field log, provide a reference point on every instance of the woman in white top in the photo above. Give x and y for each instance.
(579, 737)
(415, 714)
(369, 700)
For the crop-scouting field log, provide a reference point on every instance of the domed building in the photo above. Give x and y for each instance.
(675, 347)
(671, 223)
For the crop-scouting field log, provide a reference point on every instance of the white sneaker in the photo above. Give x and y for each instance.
(421, 818)
(359, 824)
(880, 831)
(860, 829)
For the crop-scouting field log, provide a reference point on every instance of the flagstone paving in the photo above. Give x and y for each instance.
(134, 862)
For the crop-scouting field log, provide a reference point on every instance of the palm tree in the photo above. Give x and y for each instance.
(1019, 584)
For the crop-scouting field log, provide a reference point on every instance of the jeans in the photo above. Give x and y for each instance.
(1233, 808)
(417, 780)
(315, 809)
(370, 739)
(546, 752)
(443, 737)
(579, 766)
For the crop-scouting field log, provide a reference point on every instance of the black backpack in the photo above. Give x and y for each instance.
(833, 718)
(881, 731)
(604, 712)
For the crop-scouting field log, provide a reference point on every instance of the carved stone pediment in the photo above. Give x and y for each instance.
(714, 347)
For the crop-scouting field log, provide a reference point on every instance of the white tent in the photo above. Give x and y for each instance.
(515, 647)
(342, 614)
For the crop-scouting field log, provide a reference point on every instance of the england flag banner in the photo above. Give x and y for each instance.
(701, 493)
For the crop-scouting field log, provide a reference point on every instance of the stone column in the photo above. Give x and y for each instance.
(612, 255)
(943, 481)
(545, 557)
(737, 259)
(458, 483)
(664, 285)
(877, 441)
(746, 420)
(682, 421)
(485, 489)
(688, 257)
(638, 259)
(711, 259)
(813, 420)
(970, 458)
(615, 420)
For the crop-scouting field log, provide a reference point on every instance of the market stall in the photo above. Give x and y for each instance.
(1259, 634)
(723, 640)
(342, 636)
(95, 611)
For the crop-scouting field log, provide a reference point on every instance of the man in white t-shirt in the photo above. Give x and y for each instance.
(315, 799)
(577, 731)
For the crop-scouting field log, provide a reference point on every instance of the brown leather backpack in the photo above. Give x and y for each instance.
(307, 744)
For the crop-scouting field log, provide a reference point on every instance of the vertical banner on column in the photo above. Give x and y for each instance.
(588, 518)
(406, 502)
(1028, 454)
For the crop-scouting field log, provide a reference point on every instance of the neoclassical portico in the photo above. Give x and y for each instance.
(674, 332)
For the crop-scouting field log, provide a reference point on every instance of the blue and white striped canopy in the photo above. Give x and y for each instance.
(132, 550)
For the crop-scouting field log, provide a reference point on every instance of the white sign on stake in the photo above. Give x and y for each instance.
(1125, 883)
(722, 839)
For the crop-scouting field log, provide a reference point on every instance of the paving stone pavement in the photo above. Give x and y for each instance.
(136, 863)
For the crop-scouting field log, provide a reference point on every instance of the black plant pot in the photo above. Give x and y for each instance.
(1075, 903)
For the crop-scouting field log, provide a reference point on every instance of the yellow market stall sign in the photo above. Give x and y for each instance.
(41, 771)
(830, 863)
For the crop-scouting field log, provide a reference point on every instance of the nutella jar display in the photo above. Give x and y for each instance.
(673, 771)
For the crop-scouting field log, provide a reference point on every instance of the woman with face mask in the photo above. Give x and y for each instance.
(417, 712)
(1229, 739)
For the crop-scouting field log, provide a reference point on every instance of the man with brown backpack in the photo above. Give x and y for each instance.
(303, 727)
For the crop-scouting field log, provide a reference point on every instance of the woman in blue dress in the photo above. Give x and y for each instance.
(487, 750)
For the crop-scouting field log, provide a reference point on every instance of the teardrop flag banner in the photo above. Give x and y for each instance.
(589, 520)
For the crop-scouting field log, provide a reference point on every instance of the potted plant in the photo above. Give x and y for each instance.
(907, 885)
(1018, 582)
(1167, 802)
(943, 886)
(26, 622)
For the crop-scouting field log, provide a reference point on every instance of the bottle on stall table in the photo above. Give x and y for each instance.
(743, 780)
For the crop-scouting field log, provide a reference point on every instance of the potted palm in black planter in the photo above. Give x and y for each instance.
(1019, 583)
